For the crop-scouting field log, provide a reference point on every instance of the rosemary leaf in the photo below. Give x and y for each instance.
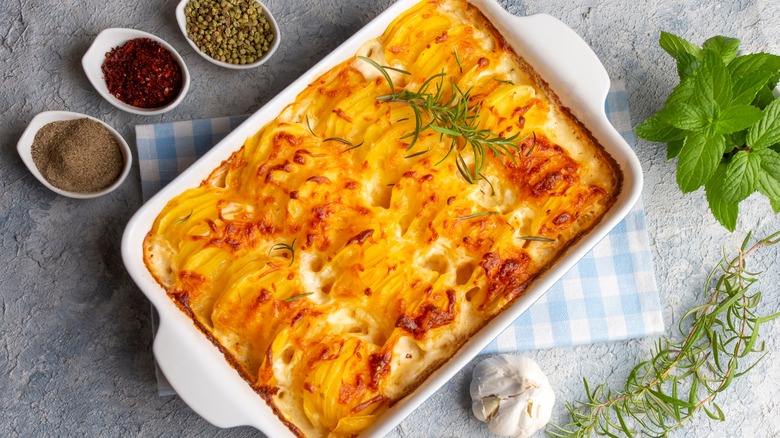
(443, 130)
(344, 141)
(396, 69)
(463, 168)
(184, 219)
(339, 139)
(382, 70)
(492, 189)
(533, 146)
(297, 297)
(481, 213)
(536, 238)
(284, 246)
(416, 154)
(308, 125)
(718, 345)
(504, 81)
(353, 147)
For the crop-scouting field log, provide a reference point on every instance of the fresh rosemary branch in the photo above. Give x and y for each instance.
(450, 115)
(682, 378)
(284, 246)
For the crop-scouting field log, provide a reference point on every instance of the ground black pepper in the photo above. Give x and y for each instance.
(142, 73)
(78, 155)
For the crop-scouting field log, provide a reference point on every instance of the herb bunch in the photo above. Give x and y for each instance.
(722, 123)
(452, 115)
(683, 378)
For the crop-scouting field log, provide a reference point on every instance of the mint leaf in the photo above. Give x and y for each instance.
(735, 140)
(746, 64)
(675, 45)
(736, 118)
(741, 176)
(713, 82)
(775, 203)
(747, 86)
(683, 92)
(725, 212)
(766, 132)
(724, 46)
(686, 54)
(764, 97)
(687, 64)
(698, 159)
(769, 174)
(673, 149)
(774, 82)
(685, 117)
(655, 129)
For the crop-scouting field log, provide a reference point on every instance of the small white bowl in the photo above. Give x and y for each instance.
(24, 147)
(92, 62)
(182, 20)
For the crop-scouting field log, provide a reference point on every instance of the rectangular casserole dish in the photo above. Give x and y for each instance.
(198, 371)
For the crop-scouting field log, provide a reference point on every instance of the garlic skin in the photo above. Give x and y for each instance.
(512, 395)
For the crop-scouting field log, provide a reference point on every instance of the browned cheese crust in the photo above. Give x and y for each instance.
(336, 262)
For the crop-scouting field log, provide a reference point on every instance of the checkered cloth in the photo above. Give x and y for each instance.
(609, 295)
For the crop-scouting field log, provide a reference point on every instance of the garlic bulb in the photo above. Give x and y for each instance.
(512, 395)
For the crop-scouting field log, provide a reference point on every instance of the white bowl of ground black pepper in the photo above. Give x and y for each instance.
(75, 155)
(235, 34)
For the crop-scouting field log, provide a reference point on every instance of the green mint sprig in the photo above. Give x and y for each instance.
(722, 123)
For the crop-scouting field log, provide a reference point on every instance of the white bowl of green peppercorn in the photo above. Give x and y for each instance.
(235, 34)
(75, 155)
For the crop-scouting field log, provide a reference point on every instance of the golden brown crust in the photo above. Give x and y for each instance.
(263, 392)
(425, 320)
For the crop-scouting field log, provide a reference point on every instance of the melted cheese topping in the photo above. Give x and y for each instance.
(388, 274)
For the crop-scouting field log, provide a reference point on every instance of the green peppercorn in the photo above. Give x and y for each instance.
(233, 31)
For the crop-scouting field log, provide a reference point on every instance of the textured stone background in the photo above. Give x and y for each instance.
(75, 336)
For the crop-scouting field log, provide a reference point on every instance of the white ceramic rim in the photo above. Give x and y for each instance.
(198, 371)
(92, 62)
(24, 148)
(182, 20)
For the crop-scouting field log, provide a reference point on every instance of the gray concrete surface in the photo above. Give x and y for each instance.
(75, 335)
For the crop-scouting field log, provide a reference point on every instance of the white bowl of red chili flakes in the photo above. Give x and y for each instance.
(136, 71)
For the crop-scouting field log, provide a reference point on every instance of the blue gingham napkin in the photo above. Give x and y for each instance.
(609, 295)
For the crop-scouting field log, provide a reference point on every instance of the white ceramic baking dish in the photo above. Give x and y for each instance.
(199, 372)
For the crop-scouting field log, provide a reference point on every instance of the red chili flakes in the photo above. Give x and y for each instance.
(142, 73)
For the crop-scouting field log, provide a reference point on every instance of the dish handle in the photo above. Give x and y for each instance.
(193, 377)
(569, 64)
